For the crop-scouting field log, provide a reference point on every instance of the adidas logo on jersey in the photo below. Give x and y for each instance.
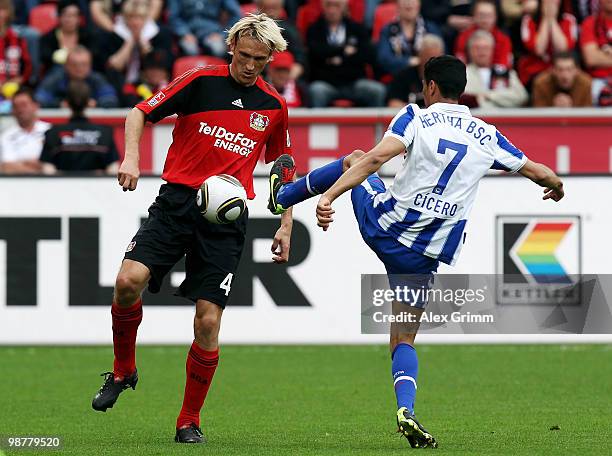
(238, 103)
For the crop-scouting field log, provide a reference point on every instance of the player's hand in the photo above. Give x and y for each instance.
(128, 175)
(281, 245)
(324, 212)
(554, 193)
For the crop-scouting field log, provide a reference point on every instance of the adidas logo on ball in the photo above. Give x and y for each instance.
(221, 199)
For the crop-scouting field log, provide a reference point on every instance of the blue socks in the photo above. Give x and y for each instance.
(404, 368)
(314, 183)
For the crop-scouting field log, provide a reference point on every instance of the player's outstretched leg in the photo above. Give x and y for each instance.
(126, 313)
(284, 193)
(200, 368)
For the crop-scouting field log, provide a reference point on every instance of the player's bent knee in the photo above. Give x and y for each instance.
(351, 159)
(127, 288)
(207, 326)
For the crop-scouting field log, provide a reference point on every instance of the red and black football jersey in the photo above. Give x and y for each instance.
(222, 126)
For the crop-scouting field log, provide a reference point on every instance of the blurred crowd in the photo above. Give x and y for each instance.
(342, 53)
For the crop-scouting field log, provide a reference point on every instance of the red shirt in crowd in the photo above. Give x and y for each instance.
(598, 30)
(221, 128)
(531, 64)
(15, 62)
(502, 54)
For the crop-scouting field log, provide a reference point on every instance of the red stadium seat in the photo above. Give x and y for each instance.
(248, 8)
(306, 16)
(384, 14)
(184, 64)
(343, 103)
(44, 17)
(357, 10)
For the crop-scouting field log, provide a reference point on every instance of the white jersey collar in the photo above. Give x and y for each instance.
(452, 107)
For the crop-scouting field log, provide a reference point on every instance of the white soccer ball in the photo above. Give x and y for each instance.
(221, 199)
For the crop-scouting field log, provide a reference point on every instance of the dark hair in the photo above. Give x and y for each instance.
(78, 96)
(24, 90)
(63, 4)
(448, 72)
(565, 55)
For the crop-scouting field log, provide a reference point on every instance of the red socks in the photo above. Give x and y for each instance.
(125, 325)
(200, 367)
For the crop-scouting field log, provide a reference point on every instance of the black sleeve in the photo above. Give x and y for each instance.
(50, 144)
(113, 155)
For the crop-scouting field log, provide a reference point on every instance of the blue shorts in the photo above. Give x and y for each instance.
(397, 258)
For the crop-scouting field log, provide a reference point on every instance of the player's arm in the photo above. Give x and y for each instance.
(282, 239)
(544, 177)
(371, 162)
(129, 171)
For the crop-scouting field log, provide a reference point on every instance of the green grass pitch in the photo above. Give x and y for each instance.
(318, 400)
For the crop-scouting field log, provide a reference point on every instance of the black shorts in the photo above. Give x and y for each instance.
(175, 228)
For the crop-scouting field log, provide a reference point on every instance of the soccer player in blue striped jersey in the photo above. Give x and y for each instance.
(420, 219)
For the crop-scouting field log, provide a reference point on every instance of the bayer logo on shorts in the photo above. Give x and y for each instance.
(538, 260)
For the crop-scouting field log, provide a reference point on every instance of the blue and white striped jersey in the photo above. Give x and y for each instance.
(448, 152)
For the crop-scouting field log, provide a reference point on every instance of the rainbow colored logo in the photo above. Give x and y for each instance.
(536, 251)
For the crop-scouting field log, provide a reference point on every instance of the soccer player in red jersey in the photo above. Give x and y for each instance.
(226, 115)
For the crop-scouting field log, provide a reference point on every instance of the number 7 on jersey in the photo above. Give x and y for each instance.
(461, 150)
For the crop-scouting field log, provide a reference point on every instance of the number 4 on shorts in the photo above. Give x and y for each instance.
(227, 283)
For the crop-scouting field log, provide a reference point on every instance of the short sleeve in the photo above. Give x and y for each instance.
(47, 151)
(528, 33)
(506, 155)
(587, 31)
(279, 142)
(113, 154)
(402, 126)
(171, 99)
(570, 30)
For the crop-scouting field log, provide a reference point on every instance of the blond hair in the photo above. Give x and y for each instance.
(260, 27)
(136, 8)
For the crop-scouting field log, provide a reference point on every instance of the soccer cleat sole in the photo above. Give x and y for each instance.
(410, 429)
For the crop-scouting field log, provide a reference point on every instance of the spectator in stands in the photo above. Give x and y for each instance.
(596, 45)
(52, 90)
(400, 41)
(582, 9)
(490, 85)
(21, 144)
(548, 32)
(562, 86)
(279, 75)
(55, 45)
(339, 50)
(155, 75)
(15, 63)
(407, 85)
(453, 16)
(134, 37)
(485, 18)
(79, 145)
(21, 25)
(104, 12)
(514, 10)
(197, 24)
(274, 9)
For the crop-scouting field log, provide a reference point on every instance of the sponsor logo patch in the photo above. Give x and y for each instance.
(155, 99)
(130, 246)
